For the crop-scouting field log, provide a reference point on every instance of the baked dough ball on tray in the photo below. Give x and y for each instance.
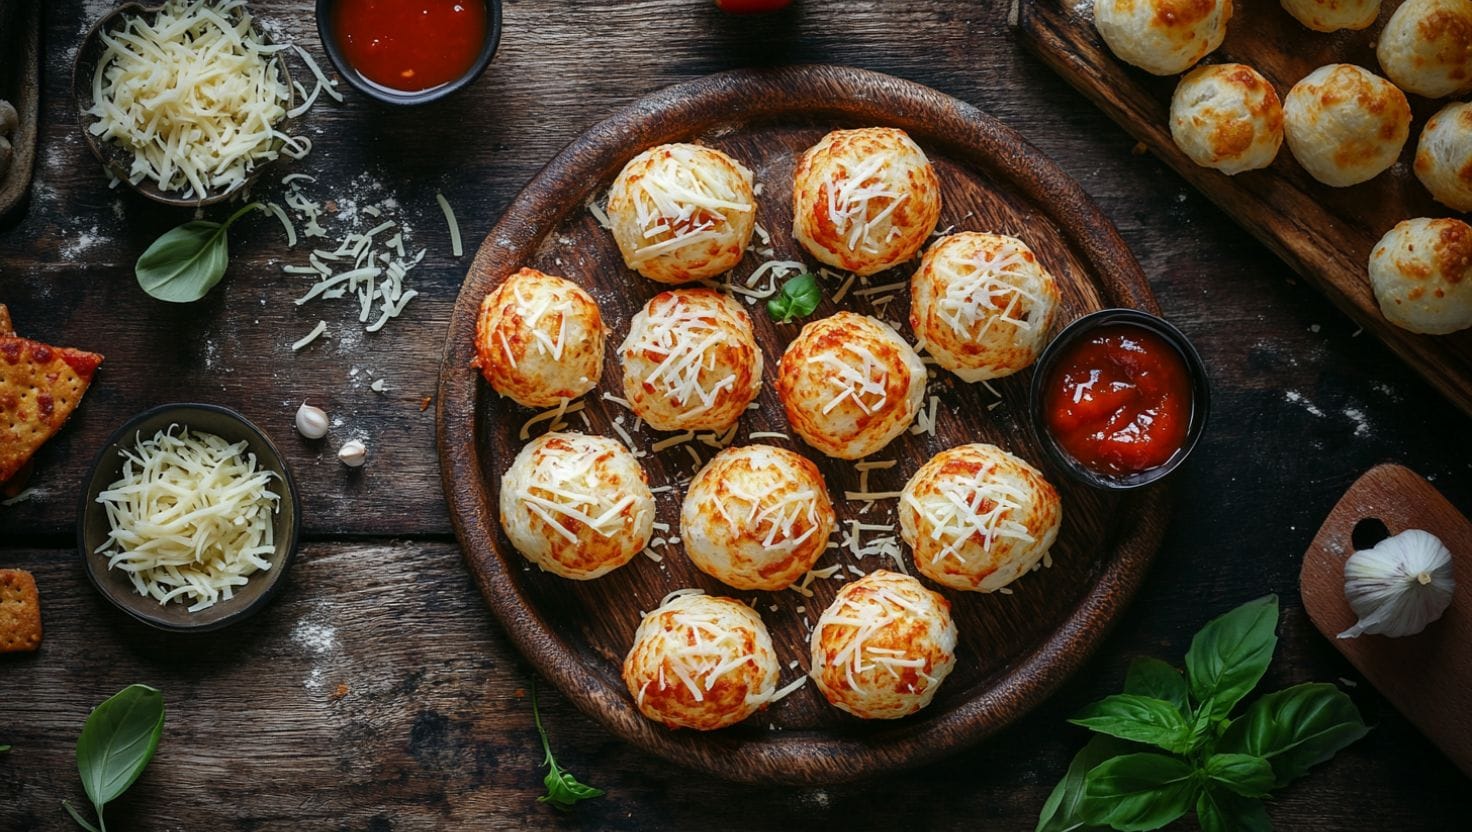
(539, 339)
(1162, 37)
(1345, 124)
(978, 518)
(864, 200)
(756, 517)
(1422, 275)
(690, 361)
(1333, 15)
(1426, 47)
(682, 212)
(577, 506)
(982, 304)
(1227, 117)
(850, 384)
(1444, 156)
(701, 662)
(883, 647)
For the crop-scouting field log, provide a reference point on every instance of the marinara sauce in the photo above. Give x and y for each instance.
(1119, 400)
(410, 45)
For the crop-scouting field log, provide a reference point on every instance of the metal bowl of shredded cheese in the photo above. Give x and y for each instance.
(189, 519)
(185, 102)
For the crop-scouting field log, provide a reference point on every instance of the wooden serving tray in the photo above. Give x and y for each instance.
(1014, 649)
(20, 84)
(1428, 675)
(1325, 234)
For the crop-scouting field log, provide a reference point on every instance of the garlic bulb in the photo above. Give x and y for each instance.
(311, 422)
(1400, 585)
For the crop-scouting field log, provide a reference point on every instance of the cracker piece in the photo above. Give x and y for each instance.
(20, 612)
(40, 386)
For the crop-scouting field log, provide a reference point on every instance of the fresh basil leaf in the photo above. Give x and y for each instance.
(563, 790)
(117, 742)
(187, 261)
(1158, 680)
(77, 816)
(4, 748)
(1218, 810)
(1244, 774)
(1061, 810)
(798, 298)
(1137, 718)
(1139, 792)
(1229, 656)
(1295, 729)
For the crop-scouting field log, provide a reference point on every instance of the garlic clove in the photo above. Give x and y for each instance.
(311, 422)
(1400, 585)
(353, 453)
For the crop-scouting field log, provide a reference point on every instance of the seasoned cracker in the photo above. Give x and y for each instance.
(40, 386)
(20, 612)
(6, 328)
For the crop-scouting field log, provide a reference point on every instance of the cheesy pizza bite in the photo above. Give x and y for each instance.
(982, 304)
(577, 506)
(701, 662)
(977, 517)
(850, 384)
(1227, 117)
(682, 212)
(690, 361)
(756, 517)
(1162, 37)
(864, 200)
(1421, 271)
(883, 647)
(1345, 124)
(1333, 15)
(539, 339)
(1444, 156)
(1426, 47)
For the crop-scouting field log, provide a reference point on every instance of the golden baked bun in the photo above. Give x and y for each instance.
(883, 647)
(1426, 47)
(690, 361)
(864, 200)
(982, 304)
(1444, 156)
(577, 506)
(978, 518)
(1227, 117)
(1345, 124)
(1422, 275)
(701, 662)
(1333, 15)
(682, 212)
(1163, 37)
(756, 517)
(850, 384)
(539, 339)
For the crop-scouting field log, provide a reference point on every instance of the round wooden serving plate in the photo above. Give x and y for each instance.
(1014, 648)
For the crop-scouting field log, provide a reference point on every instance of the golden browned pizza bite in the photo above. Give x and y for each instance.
(1444, 156)
(1227, 117)
(977, 517)
(1162, 37)
(1345, 124)
(701, 662)
(1426, 47)
(1333, 15)
(864, 200)
(575, 505)
(690, 361)
(539, 339)
(981, 304)
(850, 384)
(756, 517)
(883, 647)
(1421, 272)
(682, 212)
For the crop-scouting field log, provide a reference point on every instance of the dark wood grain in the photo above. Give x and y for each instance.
(1324, 233)
(20, 84)
(1014, 648)
(1428, 675)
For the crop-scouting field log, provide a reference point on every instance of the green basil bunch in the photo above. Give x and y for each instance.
(563, 790)
(1169, 744)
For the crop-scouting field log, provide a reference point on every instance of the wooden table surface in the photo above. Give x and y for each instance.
(377, 693)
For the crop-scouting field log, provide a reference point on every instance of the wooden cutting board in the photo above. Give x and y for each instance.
(20, 84)
(1325, 234)
(1428, 676)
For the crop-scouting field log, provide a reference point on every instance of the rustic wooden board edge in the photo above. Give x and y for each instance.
(680, 111)
(26, 37)
(1299, 241)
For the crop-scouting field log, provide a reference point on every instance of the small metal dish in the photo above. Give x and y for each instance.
(378, 92)
(92, 524)
(117, 159)
(1043, 371)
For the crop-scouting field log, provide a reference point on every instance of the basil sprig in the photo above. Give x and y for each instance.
(116, 744)
(1169, 744)
(798, 298)
(186, 262)
(563, 790)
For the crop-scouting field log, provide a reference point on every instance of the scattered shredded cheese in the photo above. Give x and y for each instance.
(449, 212)
(316, 333)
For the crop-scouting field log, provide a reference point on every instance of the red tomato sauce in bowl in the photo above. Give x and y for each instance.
(410, 45)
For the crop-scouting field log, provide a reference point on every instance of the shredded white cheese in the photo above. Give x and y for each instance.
(449, 212)
(316, 333)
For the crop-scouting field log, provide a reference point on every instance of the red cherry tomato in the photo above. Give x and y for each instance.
(751, 6)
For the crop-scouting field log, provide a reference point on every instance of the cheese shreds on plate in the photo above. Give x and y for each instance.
(195, 94)
(190, 517)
